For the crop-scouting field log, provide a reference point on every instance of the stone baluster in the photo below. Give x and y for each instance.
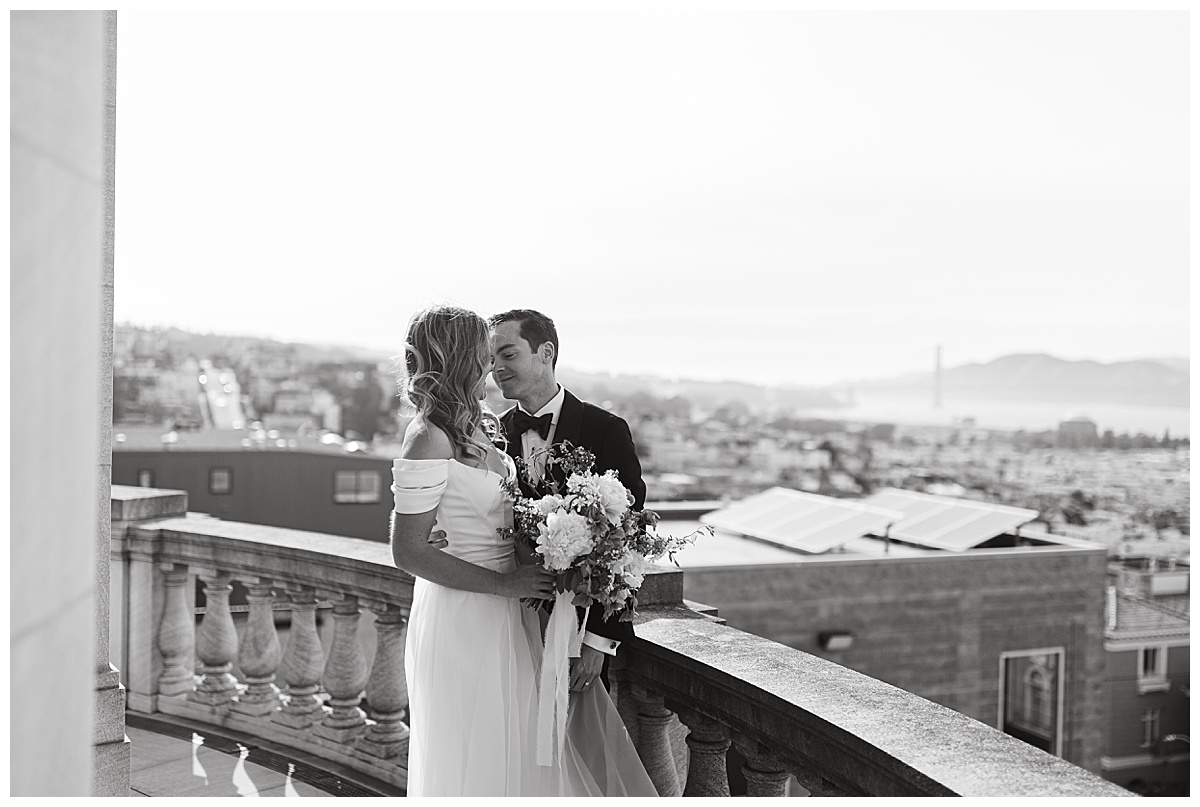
(259, 653)
(387, 687)
(654, 742)
(766, 774)
(345, 676)
(216, 644)
(707, 741)
(302, 661)
(177, 633)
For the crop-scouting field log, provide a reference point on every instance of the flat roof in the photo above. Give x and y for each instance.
(150, 438)
(801, 521)
(724, 548)
(948, 523)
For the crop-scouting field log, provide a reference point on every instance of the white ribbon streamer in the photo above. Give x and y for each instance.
(563, 641)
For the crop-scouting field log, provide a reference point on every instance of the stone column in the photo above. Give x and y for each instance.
(216, 645)
(766, 774)
(67, 734)
(302, 660)
(345, 676)
(707, 741)
(259, 654)
(177, 632)
(387, 688)
(654, 742)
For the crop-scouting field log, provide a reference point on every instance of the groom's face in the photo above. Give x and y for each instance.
(517, 369)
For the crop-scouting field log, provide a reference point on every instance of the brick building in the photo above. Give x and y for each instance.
(1011, 634)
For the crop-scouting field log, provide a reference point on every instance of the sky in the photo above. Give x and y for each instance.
(781, 197)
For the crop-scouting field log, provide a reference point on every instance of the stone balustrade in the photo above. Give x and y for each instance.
(689, 687)
(328, 701)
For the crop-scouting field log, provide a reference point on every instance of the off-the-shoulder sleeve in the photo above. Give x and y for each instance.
(417, 485)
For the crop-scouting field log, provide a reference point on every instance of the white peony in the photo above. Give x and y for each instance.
(548, 504)
(606, 490)
(563, 539)
(627, 570)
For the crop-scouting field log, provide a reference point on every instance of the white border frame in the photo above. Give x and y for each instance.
(1005, 655)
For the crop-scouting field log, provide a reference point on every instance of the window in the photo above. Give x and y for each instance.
(1031, 697)
(356, 487)
(1152, 669)
(220, 481)
(1150, 727)
(145, 478)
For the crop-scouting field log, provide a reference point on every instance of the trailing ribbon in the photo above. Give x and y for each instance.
(563, 640)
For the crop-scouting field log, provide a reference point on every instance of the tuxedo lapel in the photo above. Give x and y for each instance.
(514, 449)
(570, 420)
(513, 441)
(567, 430)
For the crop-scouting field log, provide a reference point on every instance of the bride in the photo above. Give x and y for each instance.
(473, 650)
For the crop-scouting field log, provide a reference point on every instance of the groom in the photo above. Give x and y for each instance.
(524, 355)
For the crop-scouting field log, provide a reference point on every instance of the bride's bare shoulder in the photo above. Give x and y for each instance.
(425, 441)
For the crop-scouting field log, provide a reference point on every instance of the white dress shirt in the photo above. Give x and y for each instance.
(531, 441)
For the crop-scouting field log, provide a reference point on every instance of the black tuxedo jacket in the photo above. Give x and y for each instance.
(608, 438)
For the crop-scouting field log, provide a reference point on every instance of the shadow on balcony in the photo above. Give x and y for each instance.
(689, 687)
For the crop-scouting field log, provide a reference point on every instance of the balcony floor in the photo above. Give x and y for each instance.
(173, 757)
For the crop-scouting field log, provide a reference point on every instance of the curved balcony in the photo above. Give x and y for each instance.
(689, 686)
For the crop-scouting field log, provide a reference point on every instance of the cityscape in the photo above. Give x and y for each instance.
(1125, 491)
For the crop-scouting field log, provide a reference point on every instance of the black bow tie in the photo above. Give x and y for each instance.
(523, 423)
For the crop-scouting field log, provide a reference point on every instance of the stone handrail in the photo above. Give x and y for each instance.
(839, 732)
(688, 686)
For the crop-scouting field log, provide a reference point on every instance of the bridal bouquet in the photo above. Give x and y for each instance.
(588, 532)
(585, 530)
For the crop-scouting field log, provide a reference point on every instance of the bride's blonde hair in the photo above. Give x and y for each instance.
(444, 364)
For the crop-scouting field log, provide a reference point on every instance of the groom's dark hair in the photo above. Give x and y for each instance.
(535, 328)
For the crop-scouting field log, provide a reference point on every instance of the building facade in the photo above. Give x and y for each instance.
(1147, 680)
(1010, 637)
(301, 485)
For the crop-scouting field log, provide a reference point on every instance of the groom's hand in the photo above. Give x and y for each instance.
(585, 670)
(437, 539)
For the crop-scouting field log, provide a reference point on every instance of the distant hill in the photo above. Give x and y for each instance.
(1039, 377)
(705, 394)
(1175, 363)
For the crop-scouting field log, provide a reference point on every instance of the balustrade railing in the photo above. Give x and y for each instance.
(328, 701)
(689, 687)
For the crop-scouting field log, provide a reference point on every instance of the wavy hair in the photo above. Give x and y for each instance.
(442, 369)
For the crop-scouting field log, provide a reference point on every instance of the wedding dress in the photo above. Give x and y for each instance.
(472, 661)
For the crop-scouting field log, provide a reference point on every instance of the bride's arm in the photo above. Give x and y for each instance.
(412, 552)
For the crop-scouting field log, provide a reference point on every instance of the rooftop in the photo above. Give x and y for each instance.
(1142, 618)
(786, 526)
(156, 438)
